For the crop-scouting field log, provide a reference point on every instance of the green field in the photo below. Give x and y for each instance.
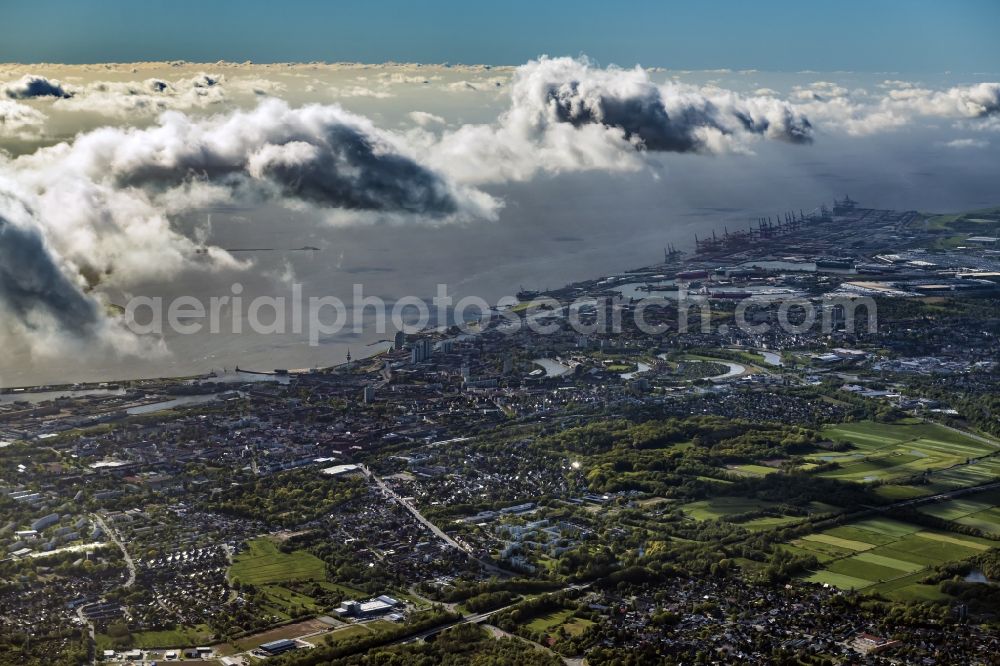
(770, 522)
(884, 555)
(754, 470)
(723, 507)
(957, 228)
(987, 521)
(897, 493)
(169, 639)
(561, 619)
(837, 580)
(981, 221)
(975, 474)
(550, 621)
(909, 588)
(895, 451)
(264, 566)
(831, 540)
(263, 563)
(285, 604)
(577, 626)
(353, 593)
(339, 635)
(886, 526)
(861, 534)
(981, 511)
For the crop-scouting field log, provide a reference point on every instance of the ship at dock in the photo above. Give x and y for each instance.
(527, 294)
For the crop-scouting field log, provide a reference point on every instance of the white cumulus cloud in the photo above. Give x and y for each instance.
(566, 114)
(19, 120)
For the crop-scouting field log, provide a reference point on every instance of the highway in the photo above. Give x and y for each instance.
(472, 619)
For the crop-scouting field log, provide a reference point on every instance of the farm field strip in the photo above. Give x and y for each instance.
(883, 452)
(857, 546)
(883, 552)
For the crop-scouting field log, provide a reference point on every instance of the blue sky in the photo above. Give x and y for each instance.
(783, 35)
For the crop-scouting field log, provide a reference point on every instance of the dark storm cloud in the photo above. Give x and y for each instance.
(342, 168)
(345, 171)
(30, 87)
(567, 115)
(641, 112)
(789, 124)
(319, 155)
(32, 283)
(641, 116)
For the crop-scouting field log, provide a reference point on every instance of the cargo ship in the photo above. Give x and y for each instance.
(731, 295)
(841, 264)
(526, 294)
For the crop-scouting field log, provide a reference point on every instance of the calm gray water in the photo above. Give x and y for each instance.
(553, 230)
